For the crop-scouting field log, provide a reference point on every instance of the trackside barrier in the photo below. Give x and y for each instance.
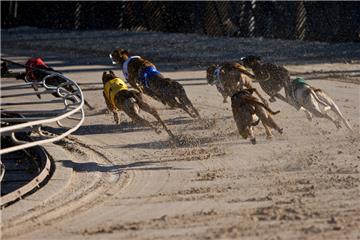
(33, 120)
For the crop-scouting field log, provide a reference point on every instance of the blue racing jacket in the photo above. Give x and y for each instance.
(146, 74)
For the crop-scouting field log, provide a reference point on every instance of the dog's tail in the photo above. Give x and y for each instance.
(247, 73)
(251, 100)
(313, 92)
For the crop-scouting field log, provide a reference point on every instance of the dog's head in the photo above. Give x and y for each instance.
(119, 56)
(108, 76)
(250, 61)
(210, 77)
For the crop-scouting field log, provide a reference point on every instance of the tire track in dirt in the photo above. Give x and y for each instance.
(200, 154)
(95, 186)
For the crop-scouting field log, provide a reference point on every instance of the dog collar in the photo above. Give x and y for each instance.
(218, 83)
(112, 59)
(217, 74)
(125, 66)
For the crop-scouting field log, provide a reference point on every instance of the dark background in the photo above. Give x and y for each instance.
(321, 21)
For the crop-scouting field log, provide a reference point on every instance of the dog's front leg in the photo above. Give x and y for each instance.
(116, 117)
(281, 97)
(287, 100)
(224, 95)
(267, 121)
(134, 84)
(111, 109)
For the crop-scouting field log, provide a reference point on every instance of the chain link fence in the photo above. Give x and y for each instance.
(333, 21)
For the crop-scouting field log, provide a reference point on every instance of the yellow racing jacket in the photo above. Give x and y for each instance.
(112, 88)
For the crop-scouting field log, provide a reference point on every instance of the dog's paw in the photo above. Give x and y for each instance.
(117, 120)
(266, 103)
(338, 125)
(269, 137)
(327, 108)
(253, 141)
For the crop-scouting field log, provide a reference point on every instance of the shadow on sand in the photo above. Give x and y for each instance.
(96, 167)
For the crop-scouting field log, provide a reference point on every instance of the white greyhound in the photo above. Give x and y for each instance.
(310, 99)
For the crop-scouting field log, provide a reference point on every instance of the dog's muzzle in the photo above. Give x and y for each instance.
(112, 60)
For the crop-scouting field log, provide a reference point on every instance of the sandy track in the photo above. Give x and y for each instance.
(85, 189)
(130, 183)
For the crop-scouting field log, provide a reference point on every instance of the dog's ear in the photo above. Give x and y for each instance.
(211, 69)
(119, 52)
(106, 77)
(112, 73)
(103, 76)
(251, 58)
(119, 55)
(124, 52)
(257, 58)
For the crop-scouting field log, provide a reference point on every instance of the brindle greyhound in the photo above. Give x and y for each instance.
(246, 108)
(226, 84)
(244, 105)
(118, 97)
(143, 76)
(299, 94)
(271, 77)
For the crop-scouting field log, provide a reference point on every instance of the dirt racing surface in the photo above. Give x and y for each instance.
(127, 182)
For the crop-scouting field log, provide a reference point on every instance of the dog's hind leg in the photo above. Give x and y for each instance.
(281, 97)
(267, 121)
(137, 119)
(88, 105)
(173, 103)
(325, 115)
(147, 108)
(186, 103)
(334, 108)
(307, 113)
(289, 101)
(268, 132)
(315, 110)
(176, 95)
(131, 109)
(251, 135)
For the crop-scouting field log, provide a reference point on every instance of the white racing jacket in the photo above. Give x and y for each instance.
(125, 66)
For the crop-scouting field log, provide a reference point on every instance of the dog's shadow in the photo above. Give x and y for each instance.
(109, 168)
(180, 141)
(179, 120)
(123, 127)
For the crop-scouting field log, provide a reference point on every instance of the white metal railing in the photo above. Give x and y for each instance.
(68, 105)
(2, 171)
